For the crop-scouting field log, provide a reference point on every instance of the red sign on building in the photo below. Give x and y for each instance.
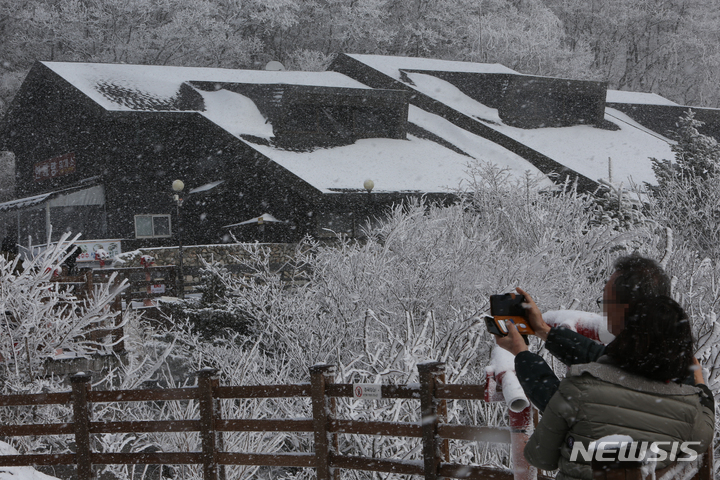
(55, 167)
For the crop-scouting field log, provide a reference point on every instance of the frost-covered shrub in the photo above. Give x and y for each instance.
(212, 315)
(687, 198)
(40, 317)
(412, 291)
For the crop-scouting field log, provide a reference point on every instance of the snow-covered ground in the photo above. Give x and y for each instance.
(19, 473)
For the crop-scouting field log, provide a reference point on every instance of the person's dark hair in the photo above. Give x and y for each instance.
(639, 278)
(657, 341)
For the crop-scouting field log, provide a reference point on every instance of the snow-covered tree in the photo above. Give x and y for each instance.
(619, 206)
(664, 46)
(696, 155)
(42, 317)
(525, 36)
(687, 197)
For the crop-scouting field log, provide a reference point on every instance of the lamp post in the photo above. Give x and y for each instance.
(178, 187)
(368, 185)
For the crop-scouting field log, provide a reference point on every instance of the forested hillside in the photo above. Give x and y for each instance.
(668, 47)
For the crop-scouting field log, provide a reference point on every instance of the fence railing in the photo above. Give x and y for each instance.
(431, 393)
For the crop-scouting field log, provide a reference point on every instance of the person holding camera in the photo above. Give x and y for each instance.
(635, 278)
(636, 385)
(636, 389)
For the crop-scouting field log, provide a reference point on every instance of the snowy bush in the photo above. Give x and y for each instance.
(41, 318)
(413, 291)
(686, 198)
(213, 315)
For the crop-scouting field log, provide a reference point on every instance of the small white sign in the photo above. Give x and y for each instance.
(368, 391)
(89, 250)
(157, 288)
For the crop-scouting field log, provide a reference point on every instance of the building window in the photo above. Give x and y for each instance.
(152, 226)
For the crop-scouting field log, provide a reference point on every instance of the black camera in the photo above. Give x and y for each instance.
(504, 307)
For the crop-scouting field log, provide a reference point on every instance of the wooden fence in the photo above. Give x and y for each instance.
(141, 282)
(431, 393)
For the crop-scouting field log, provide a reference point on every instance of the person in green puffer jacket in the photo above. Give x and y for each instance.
(634, 279)
(635, 389)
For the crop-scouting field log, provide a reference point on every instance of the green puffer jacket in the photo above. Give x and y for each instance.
(599, 399)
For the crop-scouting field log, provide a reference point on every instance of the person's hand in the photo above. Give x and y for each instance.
(513, 342)
(534, 316)
(697, 371)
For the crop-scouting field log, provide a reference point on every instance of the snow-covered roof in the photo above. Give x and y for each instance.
(157, 87)
(638, 98)
(24, 202)
(79, 195)
(587, 149)
(583, 148)
(415, 164)
(412, 165)
(391, 66)
(206, 187)
(223, 106)
(264, 218)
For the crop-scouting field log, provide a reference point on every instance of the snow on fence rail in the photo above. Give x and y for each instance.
(431, 393)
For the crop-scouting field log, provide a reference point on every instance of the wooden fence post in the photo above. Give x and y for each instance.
(429, 373)
(322, 407)
(81, 419)
(89, 286)
(222, 473)
(442, 418)
(206, 378)
(521, 425)
(706, 469)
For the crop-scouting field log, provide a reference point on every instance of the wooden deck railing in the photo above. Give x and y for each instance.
(431, 393)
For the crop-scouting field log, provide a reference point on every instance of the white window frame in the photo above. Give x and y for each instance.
(153, 216)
